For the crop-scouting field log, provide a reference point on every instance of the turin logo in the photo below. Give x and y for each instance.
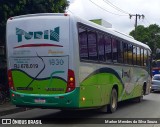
(46, 34)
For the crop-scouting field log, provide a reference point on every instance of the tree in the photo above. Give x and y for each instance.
(11, 8)
(148, 35)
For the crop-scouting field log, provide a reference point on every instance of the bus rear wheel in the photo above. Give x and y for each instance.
(140, 98)
(113, 101)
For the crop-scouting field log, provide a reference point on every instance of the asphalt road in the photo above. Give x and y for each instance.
(148, 108)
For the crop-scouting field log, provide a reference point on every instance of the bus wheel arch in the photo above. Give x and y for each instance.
(144, 88)
(112, 107)
(108, 108)
(143, 92)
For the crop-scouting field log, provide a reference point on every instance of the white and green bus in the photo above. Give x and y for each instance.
(65, 62)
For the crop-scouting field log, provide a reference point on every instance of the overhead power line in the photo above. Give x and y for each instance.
(122, 11)
(106, 9)
(145, 23)
(147, 20)
(115, 7)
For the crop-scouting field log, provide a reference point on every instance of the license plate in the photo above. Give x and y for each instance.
(40, 101)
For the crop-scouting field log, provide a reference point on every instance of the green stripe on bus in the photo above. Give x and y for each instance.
(47, 86)
(96, 89)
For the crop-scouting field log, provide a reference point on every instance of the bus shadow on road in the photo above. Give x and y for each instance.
(72, 117)
(80, 116)
(128, 103)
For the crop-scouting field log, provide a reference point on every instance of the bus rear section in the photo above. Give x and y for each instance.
(39, 72)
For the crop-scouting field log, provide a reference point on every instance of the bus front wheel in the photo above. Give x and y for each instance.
(113, 101)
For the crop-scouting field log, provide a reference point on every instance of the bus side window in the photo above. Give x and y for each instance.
(134, 55)
(108, 50)
(130, 54)
(138, 56)
(101, 48)
(142, 57)
(83, 46)
(145, 57)
(92, 45)
(114, 50)
(125, 51)
(120, 51)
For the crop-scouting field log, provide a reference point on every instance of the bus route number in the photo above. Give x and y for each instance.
(56, 61)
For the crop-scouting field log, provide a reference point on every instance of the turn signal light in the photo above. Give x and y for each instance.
(10, 80)
(71, 81)
(13, 95)
(83, 98)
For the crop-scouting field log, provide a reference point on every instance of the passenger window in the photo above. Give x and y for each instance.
(134, 55)
(125, 49)
(138, 56)
(130, 54)
(145, 57)
(108, 50)
(142, 57)
(92, 46)
(114, 49)
(83, 43)
(101, 48)
(120, 51)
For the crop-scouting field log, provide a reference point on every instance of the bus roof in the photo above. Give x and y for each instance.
(89, 23)
(112, 32)
(39, 14)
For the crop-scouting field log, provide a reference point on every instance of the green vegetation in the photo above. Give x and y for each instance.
(9, 8)
(149, 35)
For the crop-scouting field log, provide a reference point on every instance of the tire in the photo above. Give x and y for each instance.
(140, 98)
(144, 89)
(113, 101)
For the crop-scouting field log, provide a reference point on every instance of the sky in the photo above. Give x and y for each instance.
(117, 12)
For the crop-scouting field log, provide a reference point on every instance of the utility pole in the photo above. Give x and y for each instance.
(137, 16)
